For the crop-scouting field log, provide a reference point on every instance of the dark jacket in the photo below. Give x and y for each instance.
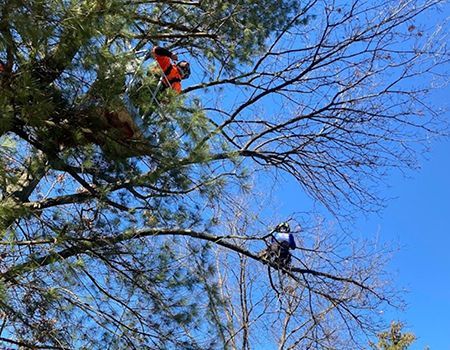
(284, 237)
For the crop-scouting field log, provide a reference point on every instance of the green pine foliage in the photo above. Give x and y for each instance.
(394, 338)
(71, 62)
(109, 241)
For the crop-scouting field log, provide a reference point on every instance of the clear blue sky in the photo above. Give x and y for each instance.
(419, 221)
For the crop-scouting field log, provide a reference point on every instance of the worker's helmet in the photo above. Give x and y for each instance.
(184, 68)
(283, 228)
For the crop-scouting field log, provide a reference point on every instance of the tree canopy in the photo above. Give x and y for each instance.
(394, 338)
(152, 242)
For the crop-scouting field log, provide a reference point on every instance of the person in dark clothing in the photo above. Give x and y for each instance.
(282, 241)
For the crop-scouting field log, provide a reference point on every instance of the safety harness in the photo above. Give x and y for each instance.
(169, 82)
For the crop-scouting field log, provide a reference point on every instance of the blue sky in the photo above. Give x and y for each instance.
(419, 221)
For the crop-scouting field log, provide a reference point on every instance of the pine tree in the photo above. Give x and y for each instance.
(118, 242)
(394, 338)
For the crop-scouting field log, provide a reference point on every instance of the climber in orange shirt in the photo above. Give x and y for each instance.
(173, 73)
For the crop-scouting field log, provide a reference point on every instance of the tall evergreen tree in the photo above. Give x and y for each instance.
(394, 338)
(142, 243)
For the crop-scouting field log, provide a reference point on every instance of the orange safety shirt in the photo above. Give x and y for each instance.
(172, 76)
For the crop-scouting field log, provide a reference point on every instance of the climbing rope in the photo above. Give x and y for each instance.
(135, 110)
(142, 118)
